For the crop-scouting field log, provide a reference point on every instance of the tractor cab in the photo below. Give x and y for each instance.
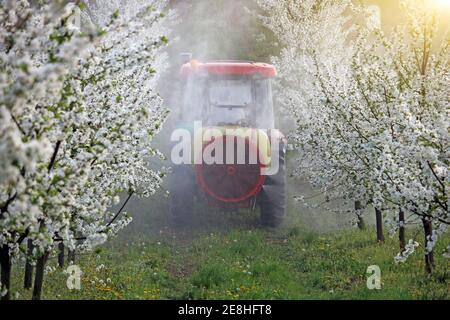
(228, 93)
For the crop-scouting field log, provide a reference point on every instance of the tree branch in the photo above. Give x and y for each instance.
(120, 210)
(55, 153)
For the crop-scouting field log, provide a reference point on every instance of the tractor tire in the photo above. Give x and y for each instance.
(272, 197)
(182, 191)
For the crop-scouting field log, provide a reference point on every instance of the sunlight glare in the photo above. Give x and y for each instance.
(443, 3)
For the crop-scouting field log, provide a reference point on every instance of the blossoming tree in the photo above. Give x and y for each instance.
(371, 108)
(78, 113)
(314, 37)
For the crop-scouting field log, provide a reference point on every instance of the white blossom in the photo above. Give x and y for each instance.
(370, 108)
(77, 109)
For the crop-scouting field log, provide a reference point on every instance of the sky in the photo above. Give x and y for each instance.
(391, 12)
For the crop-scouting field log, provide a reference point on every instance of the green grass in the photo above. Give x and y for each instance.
(247, 263)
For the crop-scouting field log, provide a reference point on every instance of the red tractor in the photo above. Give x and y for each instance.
(232, 99)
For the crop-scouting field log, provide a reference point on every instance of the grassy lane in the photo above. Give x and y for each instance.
(248, 263)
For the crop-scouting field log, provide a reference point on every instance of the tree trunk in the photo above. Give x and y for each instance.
(379, 221)
(5, 278)
(401, 230)
(61, 255)
(71, 256)
(360, 223)
(28, 279)
(39, 278)
(429, 256)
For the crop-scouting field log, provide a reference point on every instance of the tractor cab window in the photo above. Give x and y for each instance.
(193, 98)
(244, 101)
(230, 102)
(264, 101)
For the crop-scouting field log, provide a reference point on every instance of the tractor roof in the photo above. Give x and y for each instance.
(229, 68)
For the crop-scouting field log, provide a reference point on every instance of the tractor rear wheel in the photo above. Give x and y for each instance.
(272, 197)
(182, 191)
